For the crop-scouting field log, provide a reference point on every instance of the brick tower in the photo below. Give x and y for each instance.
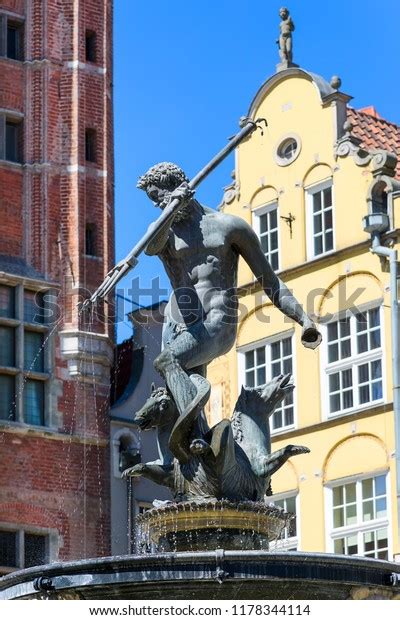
(56, 243)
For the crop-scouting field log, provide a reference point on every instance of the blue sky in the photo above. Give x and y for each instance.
(186, 71)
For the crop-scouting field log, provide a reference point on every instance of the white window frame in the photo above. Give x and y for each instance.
(256, 215)
(361, 527)
(294, 541)
(266, 342)
(352, 362)
(310, 191)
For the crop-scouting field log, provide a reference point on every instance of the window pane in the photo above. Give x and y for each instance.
(334, 382)
(261, 376)
(289, 416)
(7, 397)
(352, 545)
(377, 391)
(8, 549)
(328, 197)
(250, 378)
(328, 223)
(374, 317)
(347, 378)
(287, 366)
(339, 546)
(274, 261)
(334, 401)
(380, 509)
(274, 240)
(12, 142)
(382, 538)
(33, 351)
(328, 241)
(364, 394)
(317, 223)
(332, 331)
(265, 244)
(263, 223)
(375, 339)
(350, 492)
(367, 488)
(337, 496)
(361, 319)
(90, 46)
(362, 343)
(14, 41)
(7, 306)
(369, 542)
(344, 326)
(368, 510)
(7, 348)
(260, 356)
(273, 218)
(338, 517)
(33, 307)
(90, 145)
(277, 420)
(275, 350)
(317, 202)
(34, 402)
(380, 485)
(351, 514)
(363, 373)
(249, 357)
(345, 349)
(376, 369)
(318, 248)
(333, 352)
(287, 347)
(347, 399)
(35, 550)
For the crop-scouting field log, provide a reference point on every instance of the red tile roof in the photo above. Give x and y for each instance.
(375, 132)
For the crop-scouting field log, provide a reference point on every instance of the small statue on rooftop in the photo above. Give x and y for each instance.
(285, 40)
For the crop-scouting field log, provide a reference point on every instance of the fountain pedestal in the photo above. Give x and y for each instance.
(207, 526)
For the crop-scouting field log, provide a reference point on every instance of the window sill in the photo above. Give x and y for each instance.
(14, 165)
(355, 410)
(283, 430)
(365, 526)
(29, 427)
(93, 257)
(16, 61)
(313, 257)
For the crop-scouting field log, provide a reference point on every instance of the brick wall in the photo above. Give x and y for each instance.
(60, 480)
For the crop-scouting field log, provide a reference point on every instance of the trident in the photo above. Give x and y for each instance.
(248, 126)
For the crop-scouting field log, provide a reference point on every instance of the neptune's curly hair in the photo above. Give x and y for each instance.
(164, 175)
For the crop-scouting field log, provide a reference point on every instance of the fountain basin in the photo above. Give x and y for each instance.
(207, 526)
(240, 575)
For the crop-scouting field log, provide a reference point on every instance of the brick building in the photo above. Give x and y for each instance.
(56, 242)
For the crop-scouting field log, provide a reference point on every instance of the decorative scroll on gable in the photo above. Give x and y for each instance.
(382, 162)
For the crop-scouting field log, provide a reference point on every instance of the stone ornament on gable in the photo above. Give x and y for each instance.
(382, 162)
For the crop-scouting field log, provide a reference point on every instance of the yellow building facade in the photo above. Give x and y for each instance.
(305, 186)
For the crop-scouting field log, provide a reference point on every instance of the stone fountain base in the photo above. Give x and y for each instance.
(207, 526)
(238, 575)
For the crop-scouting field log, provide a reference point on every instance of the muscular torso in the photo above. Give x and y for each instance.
(201, 263)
